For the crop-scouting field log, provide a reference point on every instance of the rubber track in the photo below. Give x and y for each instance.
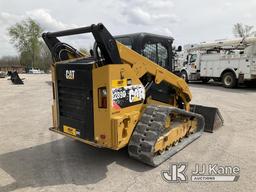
(151, 127)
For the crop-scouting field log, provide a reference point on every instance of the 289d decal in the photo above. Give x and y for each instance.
(127, 96)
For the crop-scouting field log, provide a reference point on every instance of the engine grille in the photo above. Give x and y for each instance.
(71, 101)
(75, 99)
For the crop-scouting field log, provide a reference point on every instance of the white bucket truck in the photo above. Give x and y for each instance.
(228, 61)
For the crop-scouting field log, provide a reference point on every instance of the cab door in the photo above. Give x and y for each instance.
(192, 68)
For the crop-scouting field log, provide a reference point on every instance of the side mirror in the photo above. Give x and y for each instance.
(91, 52)
(179, 48)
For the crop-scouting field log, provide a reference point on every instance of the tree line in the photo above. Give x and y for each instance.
(241, 30)
(33, 53)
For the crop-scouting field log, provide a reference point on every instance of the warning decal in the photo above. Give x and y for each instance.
(127, 96)
(119, 83)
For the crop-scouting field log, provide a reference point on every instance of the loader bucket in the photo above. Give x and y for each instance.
(15, 78)
(212, 116)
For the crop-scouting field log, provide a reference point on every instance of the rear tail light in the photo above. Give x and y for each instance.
(102, 97)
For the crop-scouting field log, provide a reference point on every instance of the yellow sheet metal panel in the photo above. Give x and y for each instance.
(125, 96)
(122, 128)
(55, 117)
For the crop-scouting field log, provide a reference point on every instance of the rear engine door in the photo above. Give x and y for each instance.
(75, 99)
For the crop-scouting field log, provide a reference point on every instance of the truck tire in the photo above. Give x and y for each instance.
(229, 80)
(205, 80)
(184, 75)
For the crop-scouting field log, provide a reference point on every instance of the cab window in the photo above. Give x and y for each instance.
(162, 55)
(193, 58)
(150, 51)
(156, 52)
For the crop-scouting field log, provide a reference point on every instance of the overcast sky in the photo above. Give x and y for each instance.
(188, 21)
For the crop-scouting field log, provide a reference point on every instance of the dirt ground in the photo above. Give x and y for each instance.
(35, 159)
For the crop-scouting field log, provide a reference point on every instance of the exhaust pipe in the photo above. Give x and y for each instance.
(212, 116)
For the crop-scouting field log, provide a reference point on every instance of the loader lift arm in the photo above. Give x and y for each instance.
(141, 65)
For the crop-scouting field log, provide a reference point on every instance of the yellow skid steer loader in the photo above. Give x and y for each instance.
(124, 94)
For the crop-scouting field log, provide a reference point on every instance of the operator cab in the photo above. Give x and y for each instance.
(157, 48)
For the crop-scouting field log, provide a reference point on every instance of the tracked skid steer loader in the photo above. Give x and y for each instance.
(124, 96)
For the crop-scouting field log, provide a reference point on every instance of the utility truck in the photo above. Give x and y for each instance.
(228, 61)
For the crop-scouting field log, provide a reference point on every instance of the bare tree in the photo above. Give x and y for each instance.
(241, 30)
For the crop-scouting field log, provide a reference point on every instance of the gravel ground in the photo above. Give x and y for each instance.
(35, 159)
